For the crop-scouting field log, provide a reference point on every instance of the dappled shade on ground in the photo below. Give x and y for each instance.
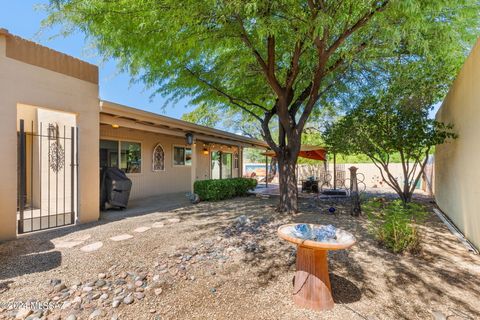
(210, 264)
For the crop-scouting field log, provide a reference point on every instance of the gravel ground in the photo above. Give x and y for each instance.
(204, 262)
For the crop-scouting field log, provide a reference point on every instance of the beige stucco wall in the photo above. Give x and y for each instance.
(24, 83)
(367, 171)
(457, 175)
(150, 183)
(173, 179)
(203, 168)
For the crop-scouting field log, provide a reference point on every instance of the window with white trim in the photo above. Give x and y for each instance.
(182, 156)
(125, 155)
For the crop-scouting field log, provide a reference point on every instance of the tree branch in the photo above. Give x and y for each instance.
(271, 56)
(341, 60)
(392, 182)
(232, 99)
(422, 168)
(294, 66)
(266, 133)
(395, 186)
(304, 117)
(406, 187)
(272, 80)
(300, 100)
(357, 25)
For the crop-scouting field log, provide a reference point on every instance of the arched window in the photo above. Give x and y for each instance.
(158, 158)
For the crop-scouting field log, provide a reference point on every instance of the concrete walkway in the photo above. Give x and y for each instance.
(152, 205)
(137, 207)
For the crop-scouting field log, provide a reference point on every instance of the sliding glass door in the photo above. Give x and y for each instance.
(226, 165)
(215, 164)
(221, 165)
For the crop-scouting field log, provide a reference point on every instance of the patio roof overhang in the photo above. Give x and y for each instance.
(119, 115)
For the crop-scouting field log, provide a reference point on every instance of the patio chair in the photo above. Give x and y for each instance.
(310, 186)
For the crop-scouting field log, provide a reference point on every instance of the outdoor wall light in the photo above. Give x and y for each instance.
(115, 126)
(205, 151)
(189, 138)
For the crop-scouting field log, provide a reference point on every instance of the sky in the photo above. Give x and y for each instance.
(23, 18)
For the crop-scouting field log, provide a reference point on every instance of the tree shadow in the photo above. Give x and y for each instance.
(367, 274)
(20, 257)
(5, 286)
(34, 252)
(344, 291)
(145, 206)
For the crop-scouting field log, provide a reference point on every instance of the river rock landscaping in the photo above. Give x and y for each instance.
(223, 260)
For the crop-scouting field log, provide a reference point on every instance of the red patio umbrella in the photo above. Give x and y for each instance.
(306, 151)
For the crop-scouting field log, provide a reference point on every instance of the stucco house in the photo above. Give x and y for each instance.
(56, 134)
(457, 173)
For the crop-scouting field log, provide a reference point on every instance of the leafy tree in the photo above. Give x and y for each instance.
(275, 60)
(227, 119)
(254, 155)
(395, 121)
(233, 121)
(203, 116)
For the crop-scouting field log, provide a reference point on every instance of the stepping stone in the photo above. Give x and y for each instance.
(438, 315)
(173, 220)
(141, 229)
(121, 237)
(158, 225)
(92, 247)
(67, 244)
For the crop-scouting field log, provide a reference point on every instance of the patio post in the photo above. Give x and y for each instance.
(266, 171)
(334, 171)
(354, 195)
(240, 161)
(193, 166)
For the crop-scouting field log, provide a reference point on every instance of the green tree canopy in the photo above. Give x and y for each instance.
(395, 122)
(275, 60)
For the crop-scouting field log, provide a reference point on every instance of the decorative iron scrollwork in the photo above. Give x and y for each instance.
(56, 155)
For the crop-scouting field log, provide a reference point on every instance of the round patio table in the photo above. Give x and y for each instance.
(311, 287)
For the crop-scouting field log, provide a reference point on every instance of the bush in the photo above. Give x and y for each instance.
(215, 190)
(395, 224)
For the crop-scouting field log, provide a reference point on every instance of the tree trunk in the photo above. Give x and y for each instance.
(273, 166)
(288, 184)
(408, 197)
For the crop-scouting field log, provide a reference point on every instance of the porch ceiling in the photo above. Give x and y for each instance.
(123, 116)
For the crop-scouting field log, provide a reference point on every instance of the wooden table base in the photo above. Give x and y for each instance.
(312, 282)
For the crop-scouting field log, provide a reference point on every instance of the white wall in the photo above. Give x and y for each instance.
(457, 175)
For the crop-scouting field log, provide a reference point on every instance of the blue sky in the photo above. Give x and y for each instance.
(23, 18)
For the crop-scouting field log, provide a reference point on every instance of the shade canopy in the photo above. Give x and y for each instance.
(306, 151)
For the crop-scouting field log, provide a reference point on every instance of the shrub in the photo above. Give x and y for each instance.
(395, 224)
(215, 190)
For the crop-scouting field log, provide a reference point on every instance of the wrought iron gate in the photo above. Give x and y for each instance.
(47, 176)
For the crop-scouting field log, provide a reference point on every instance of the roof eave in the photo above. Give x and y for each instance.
(126, 111)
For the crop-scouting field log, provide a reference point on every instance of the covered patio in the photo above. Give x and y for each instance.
(321, 179)
(162, 155)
